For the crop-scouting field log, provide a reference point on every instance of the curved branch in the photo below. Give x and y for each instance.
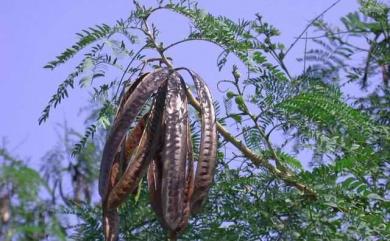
(193, 39)
(257, 160)
(127, 68)
(308, 26)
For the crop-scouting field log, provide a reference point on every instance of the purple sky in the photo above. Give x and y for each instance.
(34, 32)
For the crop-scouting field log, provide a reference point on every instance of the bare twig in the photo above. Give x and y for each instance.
(127, 68)
(304, 55)
(311, 23)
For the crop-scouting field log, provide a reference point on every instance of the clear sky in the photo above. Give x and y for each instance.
(34, 32)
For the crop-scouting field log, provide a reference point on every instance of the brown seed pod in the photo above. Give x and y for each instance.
(162, 148)
(208, 144)
(174, 153)
(142, 155)
(110, 215)
(138, 96)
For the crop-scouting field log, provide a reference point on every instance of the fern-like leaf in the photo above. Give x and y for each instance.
(86, 37)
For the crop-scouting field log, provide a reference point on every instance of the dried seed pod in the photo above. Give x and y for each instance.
(174, 153)
(5, 209)
(208, 144)
(110, 215)
(154, 177)
(132, 141)
(142, 156)
(163, 148)
(189, 184)
(140, 93)
(110, 224)
(155, 173)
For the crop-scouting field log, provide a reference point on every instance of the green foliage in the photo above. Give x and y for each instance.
(95, 60)
(103, 120)
(88, 133)
(370, 25)
(238, 38)
(86, 38)
(329, 112)
(24, 215)
(26, 181)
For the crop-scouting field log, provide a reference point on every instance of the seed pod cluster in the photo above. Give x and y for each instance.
(160, 147)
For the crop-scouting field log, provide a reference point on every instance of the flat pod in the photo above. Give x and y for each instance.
(110, 215)
(137, 98)
(111, 224)
(182, 196)
(154, 178)
(128, 91)
(174, 153)
(208, 144)
(143, 155)
(164, 150)
(189, 184)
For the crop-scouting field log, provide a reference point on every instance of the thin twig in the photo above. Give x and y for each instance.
(304, 56)
(368, 61)
(127, 68)
(338, 33)
(309, 25)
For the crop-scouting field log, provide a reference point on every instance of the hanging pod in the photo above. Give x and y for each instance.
(160, 147)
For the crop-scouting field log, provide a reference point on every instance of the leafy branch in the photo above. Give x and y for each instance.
(257, 160)
(86, 37)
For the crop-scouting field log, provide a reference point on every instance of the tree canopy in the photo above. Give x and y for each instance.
(299, 156)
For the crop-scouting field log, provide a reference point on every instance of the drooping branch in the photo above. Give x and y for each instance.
(257, 160)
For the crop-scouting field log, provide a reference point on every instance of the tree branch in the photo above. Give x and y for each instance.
(256, 160)
(308, 26)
